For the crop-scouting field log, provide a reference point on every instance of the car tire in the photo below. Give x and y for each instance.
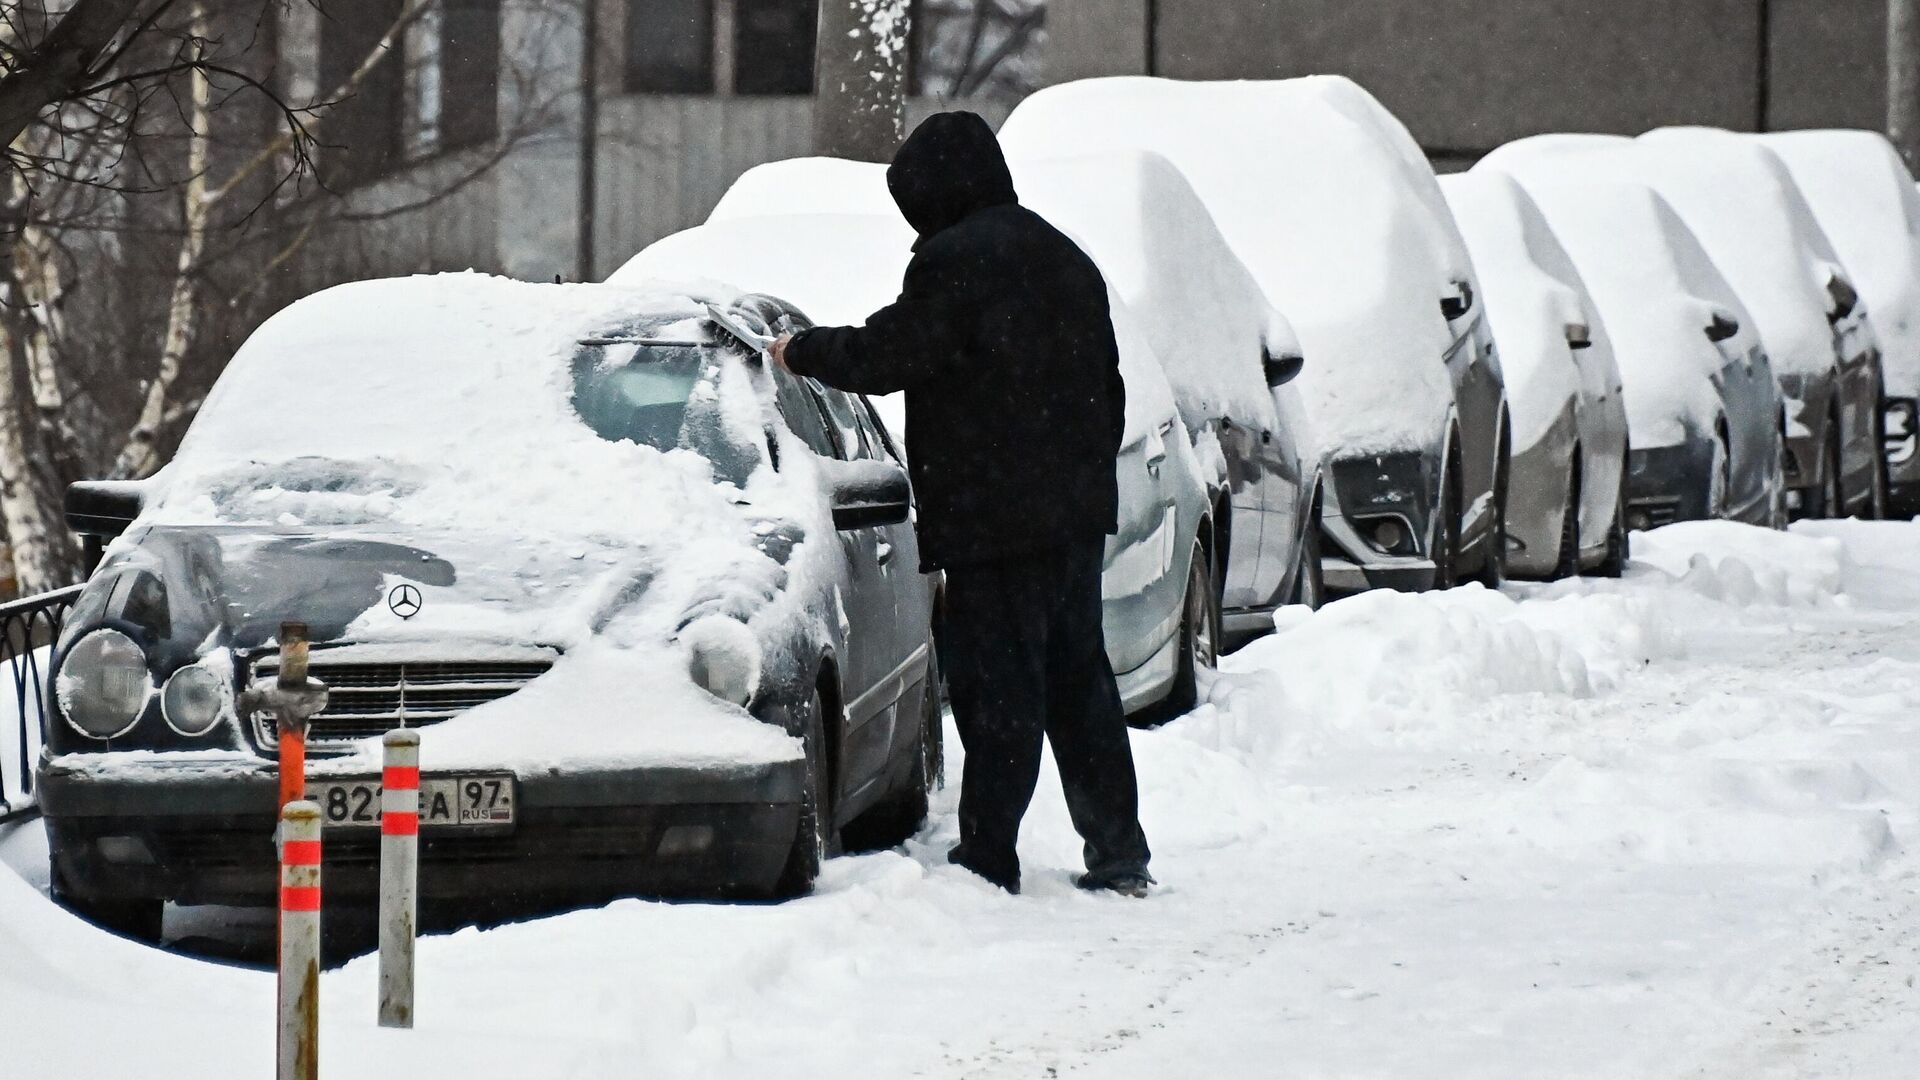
(901, 814)
(137, 920)
(1614, 563)
(1833, 490)
(815, 839)
(1493, 566)
(1446, 540)
(1309, 578)
(1567, 560)
(1876, 508)
(1199, 642)
(1719, 479)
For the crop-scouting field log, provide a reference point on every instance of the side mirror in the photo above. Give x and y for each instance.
(1579, 336)
(1457, 305)
(1281, 370)
(1722, 327)
(1843, 295)
(868, 493)
(104, 508)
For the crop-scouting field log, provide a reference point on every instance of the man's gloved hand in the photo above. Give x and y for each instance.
(778, 350)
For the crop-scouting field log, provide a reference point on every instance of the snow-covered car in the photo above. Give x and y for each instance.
(1158, 616)
(1704, 416)
(1309, 181)
(655, 610)
(1865, 199)
(1566, 499)
(1742, 203)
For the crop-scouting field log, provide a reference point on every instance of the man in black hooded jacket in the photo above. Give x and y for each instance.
(1003, 343)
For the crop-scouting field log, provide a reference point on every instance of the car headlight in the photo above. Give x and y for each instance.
(723, 656)
(193, 700)
(104, 685)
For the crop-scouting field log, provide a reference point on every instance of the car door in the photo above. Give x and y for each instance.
(887, 643)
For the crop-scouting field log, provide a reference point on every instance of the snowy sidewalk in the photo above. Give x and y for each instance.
(1649, 828)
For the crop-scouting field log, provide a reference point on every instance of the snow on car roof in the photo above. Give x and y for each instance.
(1654, 285)
(840, 268)
(1317, 205)
(809, 185)
(1740, 201)
(1866, 201)
(1534, 292)
(1159, 248)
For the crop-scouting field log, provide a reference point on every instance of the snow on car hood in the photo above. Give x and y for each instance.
(1865, 200)
(1157, 245)
(1319, 207)
(840, 268)
(1534, 292)
(1656, 289)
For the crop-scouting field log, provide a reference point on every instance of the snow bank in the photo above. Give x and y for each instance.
(1742, 566)
(840, 268)
(1159, 249)
(1318, 206)
(1655, 287)
(809, 185)
(1534, 293)
(1866, 201)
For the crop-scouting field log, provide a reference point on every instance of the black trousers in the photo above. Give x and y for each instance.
(1025, 658)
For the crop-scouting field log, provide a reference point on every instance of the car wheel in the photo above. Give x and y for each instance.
(1719, 479)
(1309, 578)
(1614, 563)
(139, 920)
(901, 814)
(1833, 492)
(1567, 562)
(816, 839)
(1493, 567)
(1446, 540)
(1876, 507)
(1199, 641)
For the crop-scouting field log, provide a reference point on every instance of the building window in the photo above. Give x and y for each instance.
(669, 46)
(469, 77)
(989, 48)
(365, 131)
(773, 46)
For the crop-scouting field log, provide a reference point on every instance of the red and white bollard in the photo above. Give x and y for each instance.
(399, 874)
(299, 1005)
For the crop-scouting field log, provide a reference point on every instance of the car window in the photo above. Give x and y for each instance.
(853, 435)
(801, 410)
(876, 429)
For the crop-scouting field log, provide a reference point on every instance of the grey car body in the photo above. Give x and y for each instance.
(1865, 199)
(1321, 204)
(786, 578)
(842, 266)
(1566, 501)
(1704, 415)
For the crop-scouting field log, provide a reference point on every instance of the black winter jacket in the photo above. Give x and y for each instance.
(1004, 344)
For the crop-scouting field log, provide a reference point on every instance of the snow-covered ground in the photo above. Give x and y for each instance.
(1647, 828)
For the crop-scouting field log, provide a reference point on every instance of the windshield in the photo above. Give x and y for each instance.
(665, 394)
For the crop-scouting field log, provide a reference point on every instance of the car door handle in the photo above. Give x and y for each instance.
(883, 551)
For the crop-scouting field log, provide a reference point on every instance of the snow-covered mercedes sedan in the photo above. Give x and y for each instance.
(654, 607)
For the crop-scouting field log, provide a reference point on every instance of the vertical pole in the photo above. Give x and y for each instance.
(299, 983)
(292, 733)
(585, 255)
(399, 874)
(1903, 78)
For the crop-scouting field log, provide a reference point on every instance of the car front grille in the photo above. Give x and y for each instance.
(365, 699)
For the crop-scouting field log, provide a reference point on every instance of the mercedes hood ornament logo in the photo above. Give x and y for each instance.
(404, 601)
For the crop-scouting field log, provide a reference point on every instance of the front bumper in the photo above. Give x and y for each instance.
(1668, 484)
(1365, 493)
(195, 836)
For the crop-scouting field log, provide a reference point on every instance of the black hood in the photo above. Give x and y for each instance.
(950, 167)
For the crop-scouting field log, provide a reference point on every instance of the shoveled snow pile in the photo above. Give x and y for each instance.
(1656, 289)
(1534, 293)
(1450, 835)
(1153, 239)
(840, 268)
(1865, 199)
(1319, 207)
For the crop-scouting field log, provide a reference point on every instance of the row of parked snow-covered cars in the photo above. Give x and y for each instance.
(657, 608)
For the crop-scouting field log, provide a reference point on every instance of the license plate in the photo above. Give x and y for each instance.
(469, 801)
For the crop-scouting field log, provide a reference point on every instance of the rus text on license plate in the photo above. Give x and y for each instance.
(444, 800)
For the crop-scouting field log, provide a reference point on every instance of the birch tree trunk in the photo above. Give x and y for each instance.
(860, 78)
(1903, 78)
(36, 536)
(141, 454)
